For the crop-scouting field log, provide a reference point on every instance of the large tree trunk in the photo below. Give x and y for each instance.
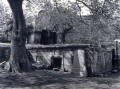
(19, 61)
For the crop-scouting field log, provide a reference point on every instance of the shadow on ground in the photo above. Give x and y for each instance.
(43, 79)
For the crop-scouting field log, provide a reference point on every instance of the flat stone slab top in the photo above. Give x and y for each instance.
(55, 46)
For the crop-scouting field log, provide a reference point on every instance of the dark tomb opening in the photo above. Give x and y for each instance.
(53, 38)
(44, 37)
(56, 62)
(48, 37)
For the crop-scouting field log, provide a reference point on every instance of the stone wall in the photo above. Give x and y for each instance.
(75, 58)
(78, 35)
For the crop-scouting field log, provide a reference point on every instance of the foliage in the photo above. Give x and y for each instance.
(102, 12)
(59, 15)
(4, 16)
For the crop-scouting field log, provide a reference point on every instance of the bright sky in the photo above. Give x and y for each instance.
(4, 2)
(85, 11)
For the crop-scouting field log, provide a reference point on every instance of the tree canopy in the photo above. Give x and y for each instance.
(104, 15)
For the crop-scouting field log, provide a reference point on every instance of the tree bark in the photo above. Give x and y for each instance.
(19, 61)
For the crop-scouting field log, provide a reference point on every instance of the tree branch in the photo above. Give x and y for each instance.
(88, 6)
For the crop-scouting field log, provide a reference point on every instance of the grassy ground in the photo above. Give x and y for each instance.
(42, 79)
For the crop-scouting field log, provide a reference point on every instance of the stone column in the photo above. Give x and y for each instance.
(79, 67)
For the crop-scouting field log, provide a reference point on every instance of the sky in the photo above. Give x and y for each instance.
(84, 11)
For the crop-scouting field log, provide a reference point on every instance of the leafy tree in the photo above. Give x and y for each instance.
(4, 16)
(102, 15)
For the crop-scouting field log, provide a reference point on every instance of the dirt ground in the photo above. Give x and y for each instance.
(43, 79)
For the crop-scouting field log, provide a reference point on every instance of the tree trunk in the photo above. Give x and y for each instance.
(19, 61)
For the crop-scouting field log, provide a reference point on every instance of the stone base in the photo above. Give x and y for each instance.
(77, 72)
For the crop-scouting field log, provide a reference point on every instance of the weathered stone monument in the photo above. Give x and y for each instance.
(79, 67)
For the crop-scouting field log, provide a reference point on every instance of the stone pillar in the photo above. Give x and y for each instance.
(67, 61)
(79, 67)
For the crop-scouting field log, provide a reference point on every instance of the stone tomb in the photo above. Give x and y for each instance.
(71, 61)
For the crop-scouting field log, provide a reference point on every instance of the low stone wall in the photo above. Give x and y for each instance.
(78, 59)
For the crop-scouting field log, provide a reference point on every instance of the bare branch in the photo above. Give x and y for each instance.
(88, 6)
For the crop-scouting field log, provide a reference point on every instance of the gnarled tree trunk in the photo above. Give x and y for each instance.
(19, 61)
